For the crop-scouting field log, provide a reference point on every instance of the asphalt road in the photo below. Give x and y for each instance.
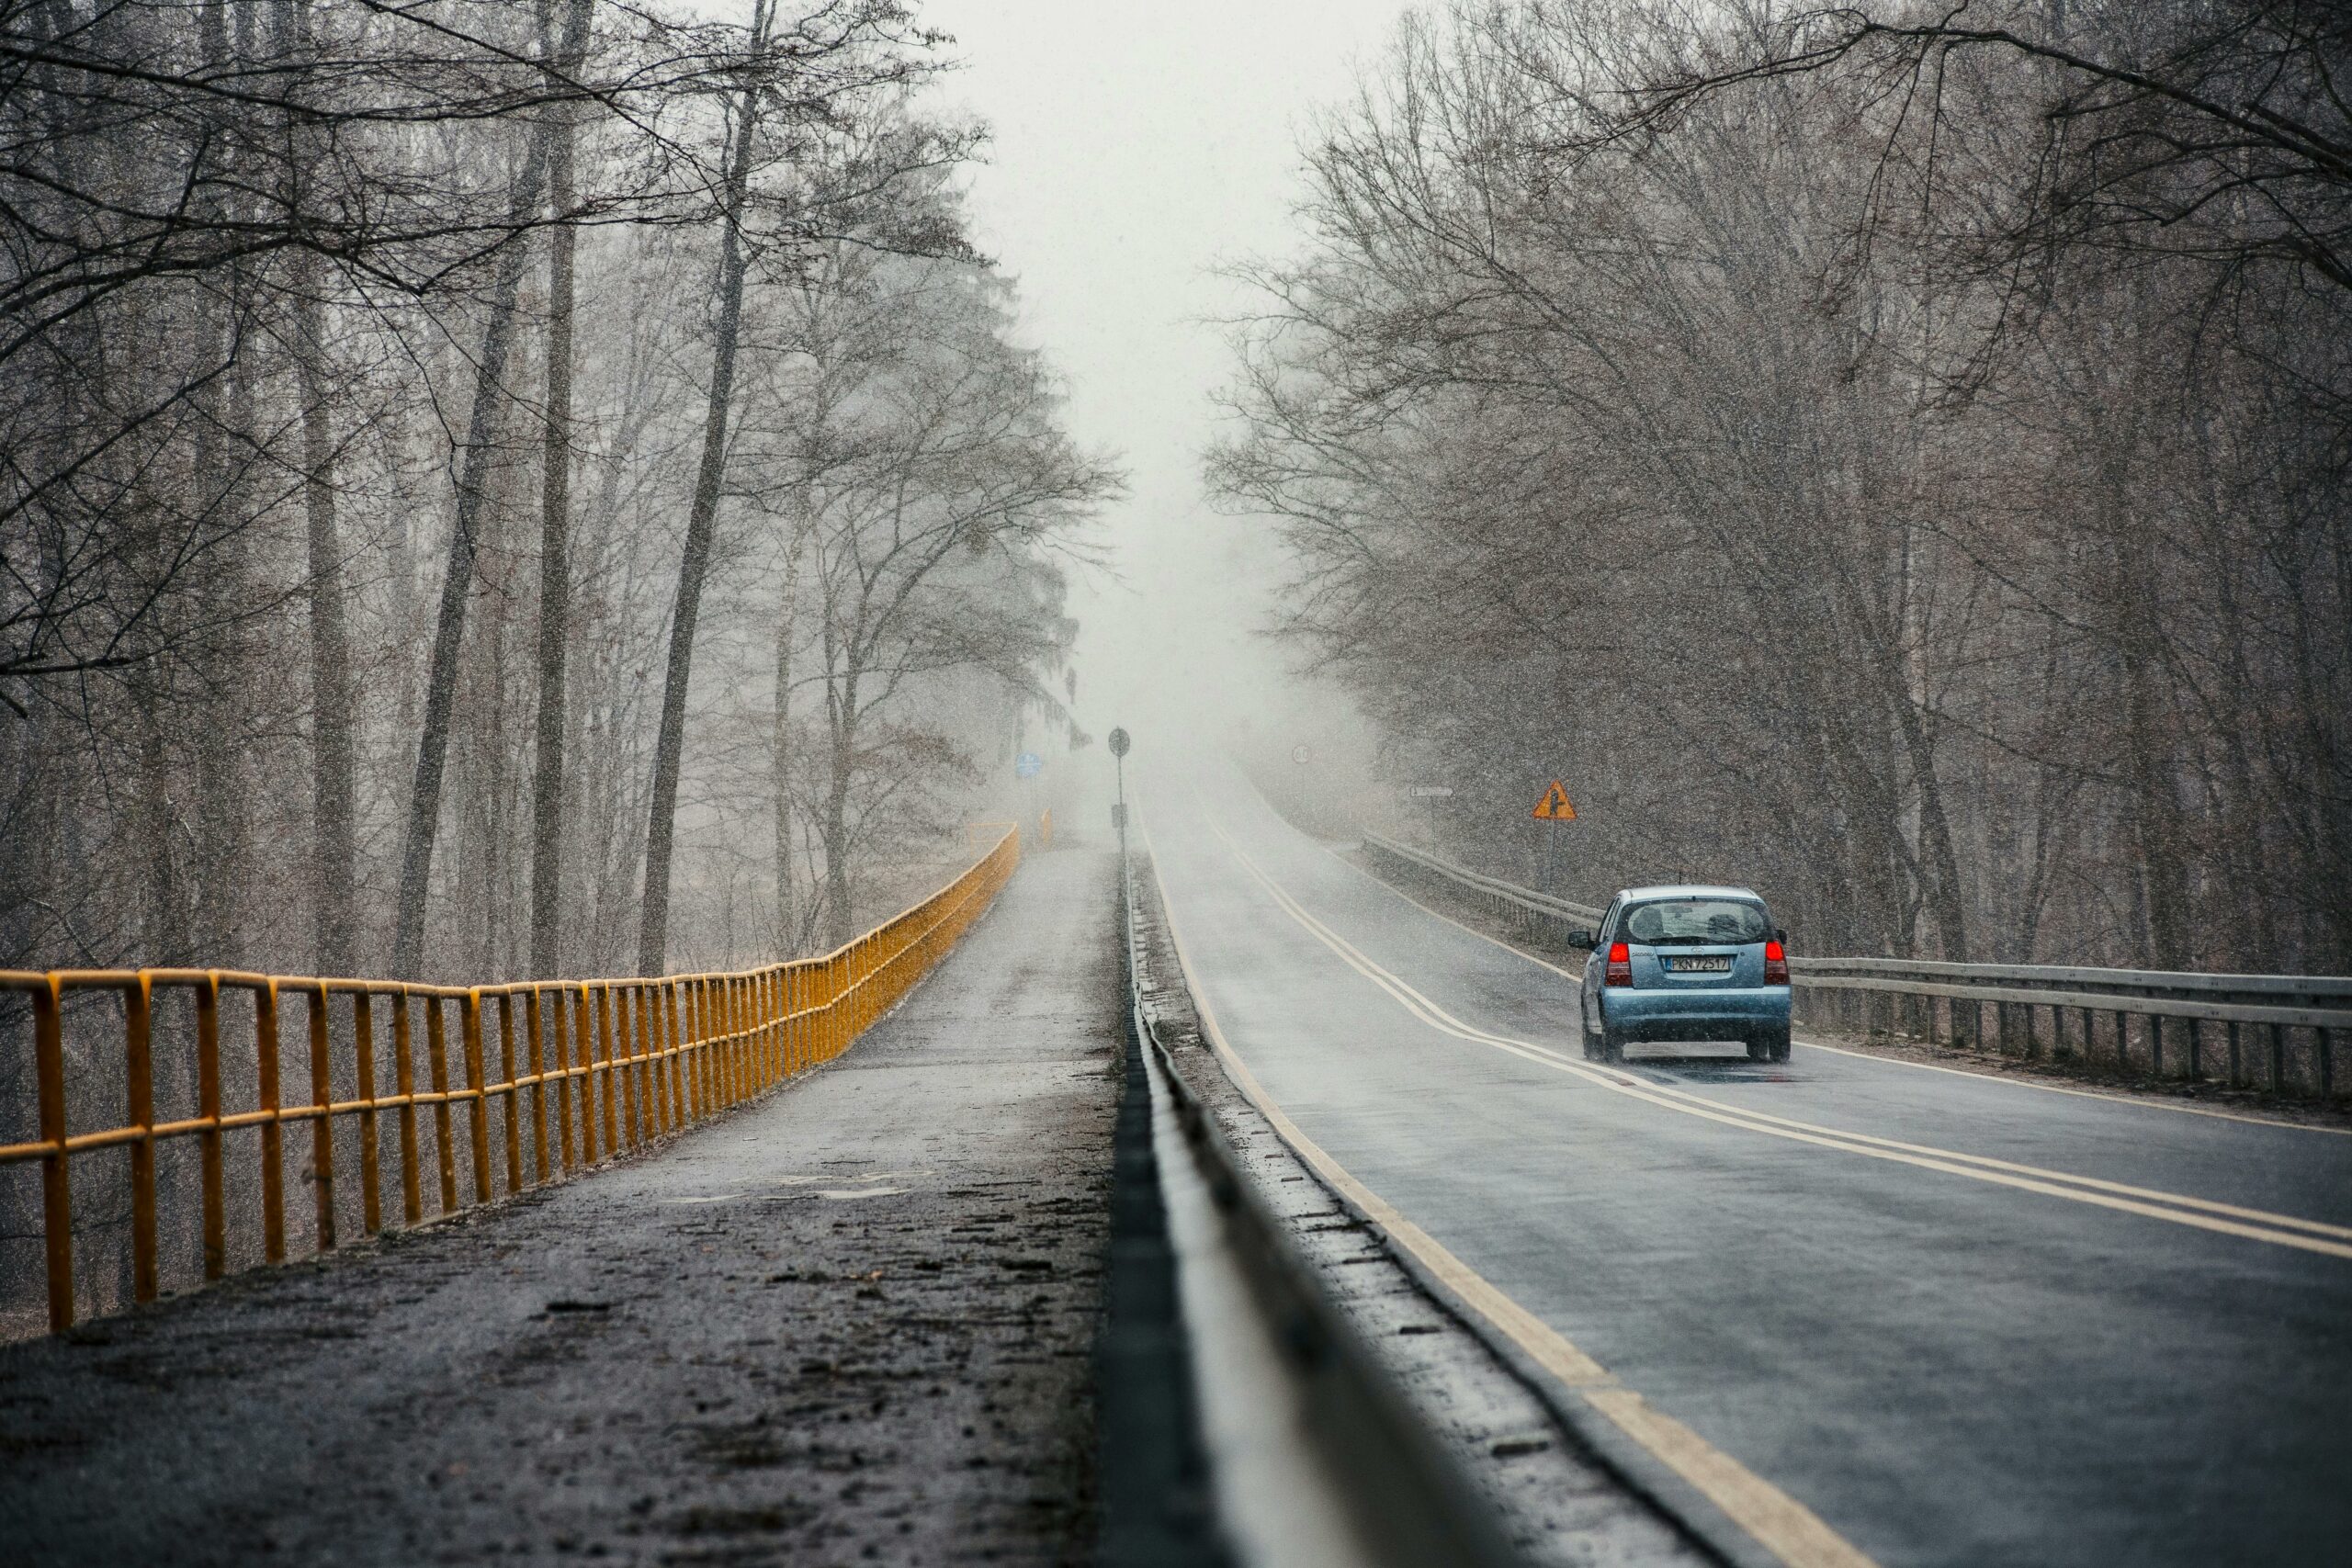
(853, 1323)
(1961, 1320)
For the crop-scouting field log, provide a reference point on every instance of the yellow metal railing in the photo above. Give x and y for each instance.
(623, 1061)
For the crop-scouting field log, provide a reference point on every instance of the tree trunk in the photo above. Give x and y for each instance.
(654, 931)
(555, 556)
(220, 797)
(333, 763)
(788, 921)
(334, 776)
(838, 913)
(456, 582)
(456, 586)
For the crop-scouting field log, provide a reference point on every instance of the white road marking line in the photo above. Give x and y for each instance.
(2134, 1101)
(2252, 1225)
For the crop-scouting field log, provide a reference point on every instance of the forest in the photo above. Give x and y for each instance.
(497, 490)
(1892, 455)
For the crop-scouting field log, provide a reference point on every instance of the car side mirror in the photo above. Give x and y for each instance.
(1780, 935)
(1586, 939)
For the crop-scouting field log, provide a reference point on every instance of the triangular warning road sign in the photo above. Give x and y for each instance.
(1554, 807)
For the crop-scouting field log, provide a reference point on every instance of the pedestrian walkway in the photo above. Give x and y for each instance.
(852, 1322)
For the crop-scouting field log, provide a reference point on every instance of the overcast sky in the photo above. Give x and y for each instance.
(1137, 147)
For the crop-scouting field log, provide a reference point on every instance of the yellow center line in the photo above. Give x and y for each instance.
(2252, 1225)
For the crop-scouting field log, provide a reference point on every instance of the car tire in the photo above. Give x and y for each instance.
(1612, 1045)
(1771, 1047)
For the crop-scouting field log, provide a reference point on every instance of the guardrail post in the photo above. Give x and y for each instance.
(648, 1035)
(56, 1180)
(587, 1059)
(512, 1095)
(649, 1032)
(651, 1023)
(322, 1126)
(764, 1013)
(560, 1065)
(209, 1154)
(726, 1000)
(363, 1052)
(728, 1024)
(534, 1045)
(718, 1029)
(478, 1110)
(676, 1065)
(404, 1086)
(780, 1005)
(139, 1081)
(273, 1131)
(611, 1083)
(712, 992)
(625, 1049)
(436, 1058)
(693, 1096)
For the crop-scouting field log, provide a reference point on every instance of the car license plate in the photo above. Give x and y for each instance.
(1718, 964)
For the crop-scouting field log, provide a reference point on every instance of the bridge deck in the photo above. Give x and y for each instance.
(855, 1319)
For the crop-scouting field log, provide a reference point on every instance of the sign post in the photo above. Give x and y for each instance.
(1119, 812)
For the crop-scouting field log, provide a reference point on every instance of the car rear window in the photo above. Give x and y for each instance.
(1688, 921)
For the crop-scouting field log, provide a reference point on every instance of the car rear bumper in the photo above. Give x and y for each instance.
(1691, 1013)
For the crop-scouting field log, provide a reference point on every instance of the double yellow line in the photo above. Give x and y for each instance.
(1783, 1525)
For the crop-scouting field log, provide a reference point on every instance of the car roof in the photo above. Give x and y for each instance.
(1689, 890)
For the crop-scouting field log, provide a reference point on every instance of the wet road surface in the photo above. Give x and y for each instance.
(1961, 1320)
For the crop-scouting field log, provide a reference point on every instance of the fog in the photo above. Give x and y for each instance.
(1135, 154)
(647, 504)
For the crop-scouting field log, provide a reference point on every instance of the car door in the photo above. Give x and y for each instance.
(1595, 963)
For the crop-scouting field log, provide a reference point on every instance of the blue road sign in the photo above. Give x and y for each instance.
(1028, 764)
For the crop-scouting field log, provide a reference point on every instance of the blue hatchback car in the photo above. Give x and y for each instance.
(1685, 963)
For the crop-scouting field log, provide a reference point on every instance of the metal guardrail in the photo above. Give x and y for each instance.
(2155, 1020)
(1506, 899)
(1361, 1477)
(2285, 1021)
(644, 1058)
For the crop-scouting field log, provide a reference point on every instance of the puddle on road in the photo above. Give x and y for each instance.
(872, 1185)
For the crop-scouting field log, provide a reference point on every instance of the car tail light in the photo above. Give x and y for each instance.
(1621, 964)
(1776, 964)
